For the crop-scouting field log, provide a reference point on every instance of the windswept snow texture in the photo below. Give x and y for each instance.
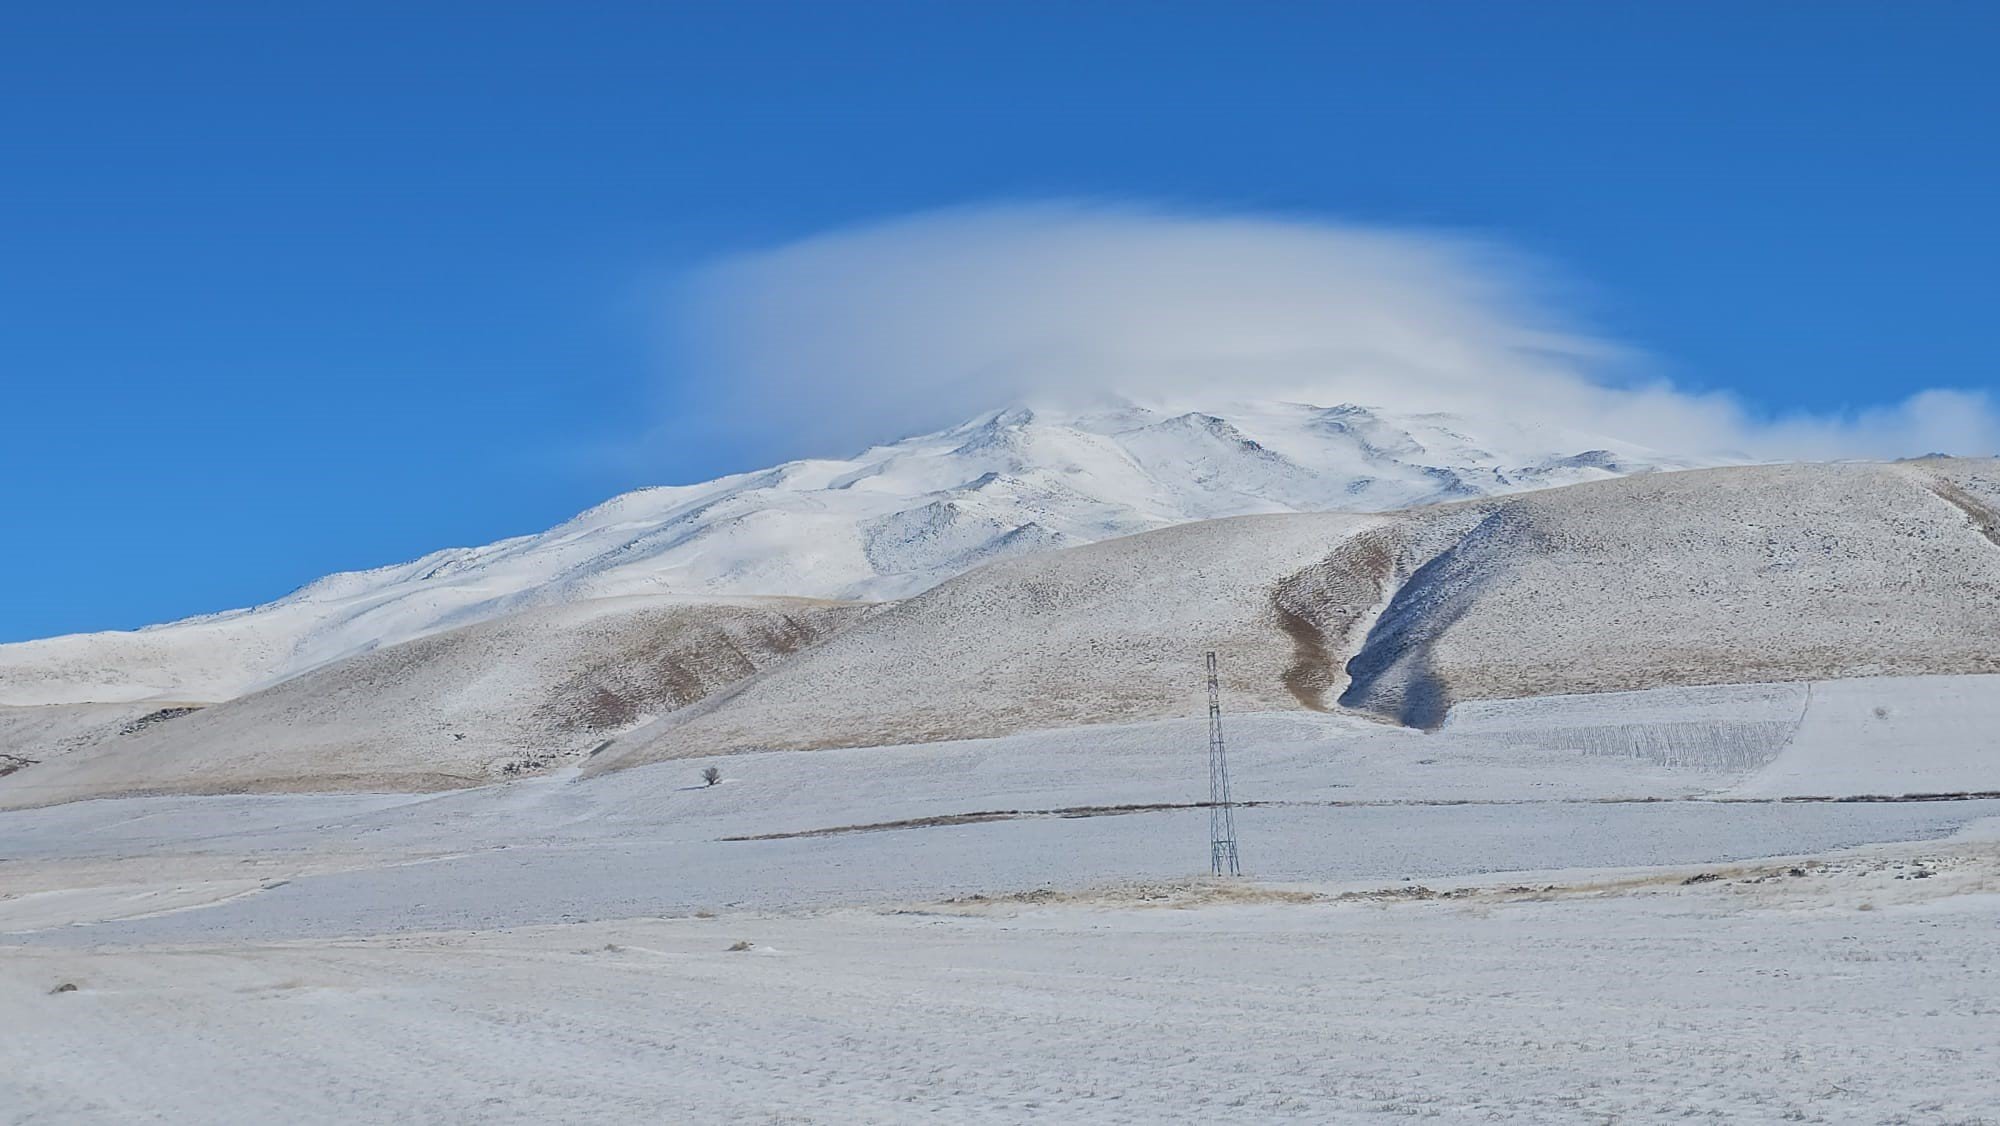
(889, 523)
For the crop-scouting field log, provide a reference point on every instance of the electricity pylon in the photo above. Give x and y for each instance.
(1221, 812)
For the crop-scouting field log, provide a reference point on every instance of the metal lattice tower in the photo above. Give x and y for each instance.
(1221, 812)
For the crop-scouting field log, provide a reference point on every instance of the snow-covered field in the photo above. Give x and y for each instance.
(1850, 993)
(1568, 909)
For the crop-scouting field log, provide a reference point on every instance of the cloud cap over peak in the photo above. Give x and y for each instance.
(875, 332)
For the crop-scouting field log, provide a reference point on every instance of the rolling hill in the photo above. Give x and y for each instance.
(518, 695)
(1734, 575)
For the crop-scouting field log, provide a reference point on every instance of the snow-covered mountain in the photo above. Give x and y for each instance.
(1742, 576)
(888, 523)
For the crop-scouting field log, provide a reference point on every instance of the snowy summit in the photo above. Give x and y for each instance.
(887, 523)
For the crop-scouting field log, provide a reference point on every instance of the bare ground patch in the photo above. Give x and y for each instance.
(1857, 881)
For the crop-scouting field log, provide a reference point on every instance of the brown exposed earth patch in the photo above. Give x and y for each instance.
(1318, 607)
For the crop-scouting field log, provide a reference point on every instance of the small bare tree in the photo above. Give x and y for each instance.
(711, 774)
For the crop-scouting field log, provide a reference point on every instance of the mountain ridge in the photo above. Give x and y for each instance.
(887, 523)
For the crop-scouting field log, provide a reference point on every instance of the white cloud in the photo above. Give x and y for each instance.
(880, 331)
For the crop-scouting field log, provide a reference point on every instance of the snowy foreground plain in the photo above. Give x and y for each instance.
(1568, 909)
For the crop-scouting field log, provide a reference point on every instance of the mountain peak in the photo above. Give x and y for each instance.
(885, 524)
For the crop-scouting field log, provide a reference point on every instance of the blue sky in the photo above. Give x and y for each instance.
(286, 289)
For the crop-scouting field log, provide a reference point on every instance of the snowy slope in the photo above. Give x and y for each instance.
(1749, 574)
(891, 522)
(518, 695)
(1734, 575)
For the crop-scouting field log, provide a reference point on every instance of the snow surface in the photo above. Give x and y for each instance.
(1882, 735)
(1736, 1001)
(1333, 798)
(1559, 910)
(890, 522)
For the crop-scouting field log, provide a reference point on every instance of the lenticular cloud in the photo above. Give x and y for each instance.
(878, 331)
